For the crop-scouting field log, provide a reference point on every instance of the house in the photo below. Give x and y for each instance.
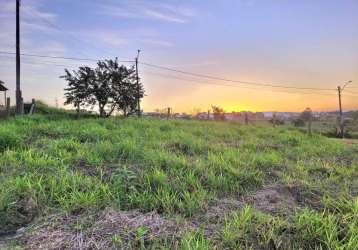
(3, 89)
(243, 116)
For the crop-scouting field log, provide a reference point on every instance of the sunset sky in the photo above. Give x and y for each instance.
(300, 43)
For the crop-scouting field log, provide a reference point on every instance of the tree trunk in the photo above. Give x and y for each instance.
(101, 110)
(78, 110)
(111, 110)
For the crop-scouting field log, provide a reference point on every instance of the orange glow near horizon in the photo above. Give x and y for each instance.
(188, 92)
(186, 98)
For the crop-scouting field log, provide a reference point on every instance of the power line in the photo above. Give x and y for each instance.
(170, 76)
(231, 85)
(59, 57)
(49, 63)
(230, 80)
(349, 91)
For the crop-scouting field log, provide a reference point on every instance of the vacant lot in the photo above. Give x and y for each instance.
(142, 183)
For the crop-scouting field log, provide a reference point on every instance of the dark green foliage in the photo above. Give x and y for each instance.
(298, 122)
(306, 115)
(109, 86)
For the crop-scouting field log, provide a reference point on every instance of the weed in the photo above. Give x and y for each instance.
(194, 241)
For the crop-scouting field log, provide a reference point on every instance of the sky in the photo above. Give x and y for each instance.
(296, 43)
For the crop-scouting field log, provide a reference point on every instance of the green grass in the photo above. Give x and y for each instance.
(56, 163)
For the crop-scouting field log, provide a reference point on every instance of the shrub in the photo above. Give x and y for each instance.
(298, 122)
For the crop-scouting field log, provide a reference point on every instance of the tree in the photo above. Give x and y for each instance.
(298, 122)
(219, 113)
(306, 115)
(355, 115)
(77, 92)
(110, 86)
(125, 91)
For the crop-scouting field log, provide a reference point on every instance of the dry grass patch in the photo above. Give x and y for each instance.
(109, 229)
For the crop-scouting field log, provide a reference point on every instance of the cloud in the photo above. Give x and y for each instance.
(161, 16)
(196, 64)
(30, 27)
(35, 12)
(30, 10)
(123, 38)
(160, 43)
(154, 11)
(32, 18)
(110, 38)
(34, 22)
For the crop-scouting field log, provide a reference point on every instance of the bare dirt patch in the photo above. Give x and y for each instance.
(110, 229)
(217, 211)
(350, 141)
(231, 144)
(211, 222)
(277, 200)
(263, 147)
(180, 148)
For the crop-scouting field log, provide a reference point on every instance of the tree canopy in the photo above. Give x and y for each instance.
(306, 115)
(109, 86)
(219, 113)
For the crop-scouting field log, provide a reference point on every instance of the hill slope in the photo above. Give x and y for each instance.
(129, 183)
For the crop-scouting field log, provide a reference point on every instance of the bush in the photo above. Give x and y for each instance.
(277, 121)
(298, 122)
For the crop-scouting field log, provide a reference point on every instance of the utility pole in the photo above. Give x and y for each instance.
(274, 119)
(340, 111)
(19, 101)
(309, 126)
(138, 87)
(341, 125)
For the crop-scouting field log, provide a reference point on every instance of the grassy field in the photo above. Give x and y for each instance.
(116, 183)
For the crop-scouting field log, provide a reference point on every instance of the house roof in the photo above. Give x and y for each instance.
(2, 87)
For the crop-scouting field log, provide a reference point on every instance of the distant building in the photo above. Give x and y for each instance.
(234, 116)
(3, 89)
(286, 116)
(204, 116)
(241, 116)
